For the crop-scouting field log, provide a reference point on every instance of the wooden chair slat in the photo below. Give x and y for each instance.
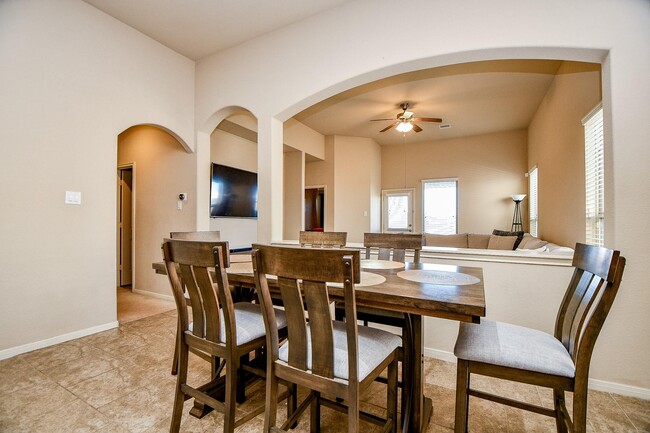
(320, 325)
(198, 314)
(296, 323)
(210, 305)
(207, 236)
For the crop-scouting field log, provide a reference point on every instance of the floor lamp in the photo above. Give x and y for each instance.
(517, 224)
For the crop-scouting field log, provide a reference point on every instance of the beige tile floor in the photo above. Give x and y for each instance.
(118, 381)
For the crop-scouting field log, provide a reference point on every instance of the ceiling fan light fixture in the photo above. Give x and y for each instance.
(404, 126)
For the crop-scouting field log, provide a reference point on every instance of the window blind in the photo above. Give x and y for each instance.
(595, 177)
(532, 202)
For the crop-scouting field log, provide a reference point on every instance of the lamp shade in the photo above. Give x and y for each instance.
(404, 126)
(518, 197)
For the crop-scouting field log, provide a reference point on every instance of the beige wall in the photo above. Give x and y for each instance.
(163, 169)
(73, 78)
(556, 146)
(356, 165)
(489, 169)
(294, 194)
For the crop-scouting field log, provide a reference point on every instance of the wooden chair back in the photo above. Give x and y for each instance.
(302, 275)
(197, 236)
(189, 263)
(587, 301)
(323, 239)
(395, 243)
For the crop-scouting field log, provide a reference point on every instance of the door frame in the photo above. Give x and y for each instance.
(324, 188)
(120, 168)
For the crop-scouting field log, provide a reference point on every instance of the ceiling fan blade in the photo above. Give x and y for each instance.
(416, 128)
(380, 120)
(392, 125)
(427, 119)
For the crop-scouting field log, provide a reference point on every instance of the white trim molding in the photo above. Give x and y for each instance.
(13, 351)
(154, 295)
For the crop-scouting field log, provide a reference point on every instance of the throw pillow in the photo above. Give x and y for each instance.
(502, 242)
(477, 241)
(533, 244)
(519, 234)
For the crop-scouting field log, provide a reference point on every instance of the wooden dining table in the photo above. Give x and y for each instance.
(412, 291)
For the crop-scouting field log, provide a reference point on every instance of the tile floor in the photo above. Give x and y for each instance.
(118, 381)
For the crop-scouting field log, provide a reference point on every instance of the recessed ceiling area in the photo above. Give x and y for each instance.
(474, 98)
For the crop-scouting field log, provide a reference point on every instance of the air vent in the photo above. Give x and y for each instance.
(445, 126)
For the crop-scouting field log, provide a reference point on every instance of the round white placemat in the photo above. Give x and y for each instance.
(380, 264)
(438, 277)
(367, 279)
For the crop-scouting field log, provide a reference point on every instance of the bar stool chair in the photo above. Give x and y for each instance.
(559, 361)
(328, 357)
(220, 328)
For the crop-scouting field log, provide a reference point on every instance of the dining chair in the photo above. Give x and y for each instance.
(323, 239)
(559, 361)
(390, 246)
(190, 236)
(327, 357)
(393, 246)
(220, 328)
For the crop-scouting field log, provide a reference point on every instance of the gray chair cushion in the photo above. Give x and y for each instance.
(513, 346)
(250, 322)
(374, 346)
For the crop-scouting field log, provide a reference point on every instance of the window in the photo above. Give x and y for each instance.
(532, 201)
(397, 210)
(440, 206)
(595, 177)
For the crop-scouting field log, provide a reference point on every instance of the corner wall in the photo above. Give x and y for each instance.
(556, 146)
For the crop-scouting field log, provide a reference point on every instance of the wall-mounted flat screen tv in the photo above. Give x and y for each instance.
(233, 192)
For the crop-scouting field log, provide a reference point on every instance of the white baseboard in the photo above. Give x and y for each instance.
(595, 384)
(13, 351)
(154, 295)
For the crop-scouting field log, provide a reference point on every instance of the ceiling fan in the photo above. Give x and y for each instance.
(405, 121)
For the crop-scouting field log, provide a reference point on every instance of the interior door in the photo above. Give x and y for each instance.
(125, 260)
(314, 209)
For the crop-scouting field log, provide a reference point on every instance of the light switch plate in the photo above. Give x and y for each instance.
(72, 197)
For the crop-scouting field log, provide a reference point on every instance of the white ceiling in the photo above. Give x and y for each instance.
(474, 98)
(198, 28)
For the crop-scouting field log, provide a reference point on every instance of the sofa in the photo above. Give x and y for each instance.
(498, 240)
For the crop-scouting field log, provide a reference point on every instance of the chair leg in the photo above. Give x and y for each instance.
(580, 408)
(292, 402)
(314, 421)
(270, 413)
(179, 398)
(391, 403)
(558, 399)
(232, 368)
(353, 410)
(462, 396)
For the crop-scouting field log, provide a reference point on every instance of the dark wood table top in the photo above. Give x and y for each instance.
(465, 302)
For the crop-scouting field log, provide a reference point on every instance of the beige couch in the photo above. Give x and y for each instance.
(484, 241)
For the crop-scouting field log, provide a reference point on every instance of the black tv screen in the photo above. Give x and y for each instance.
(233, 192)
